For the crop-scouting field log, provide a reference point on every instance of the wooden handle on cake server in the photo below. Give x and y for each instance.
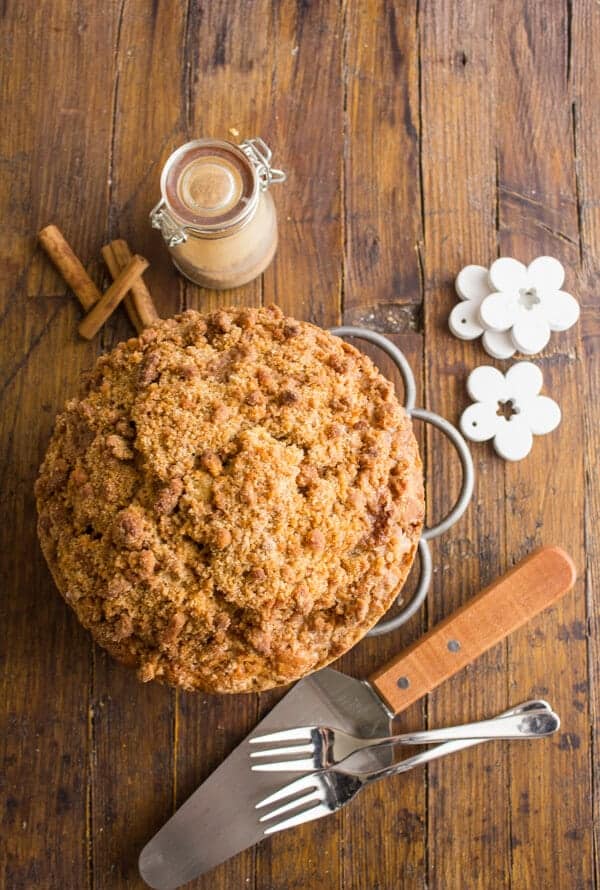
(531, 586)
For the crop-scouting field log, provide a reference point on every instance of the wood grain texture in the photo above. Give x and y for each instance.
(552, 651)
(585, 86)
(417, 137)
(468, 833)
(382, 282)
(309, 97)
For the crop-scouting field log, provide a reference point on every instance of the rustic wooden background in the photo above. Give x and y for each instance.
(418, 137)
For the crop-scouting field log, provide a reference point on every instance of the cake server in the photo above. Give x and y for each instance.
(220, 818)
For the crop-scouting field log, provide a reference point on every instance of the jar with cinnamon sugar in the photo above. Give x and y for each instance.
(216, 213)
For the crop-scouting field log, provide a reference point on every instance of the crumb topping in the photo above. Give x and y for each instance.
(232, 501)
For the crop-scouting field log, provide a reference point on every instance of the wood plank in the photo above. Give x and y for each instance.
(383, 225)
(134, 778)
(306, 128)
(585, 90)
(586, 693)
(468, 827)
(47, 153)
(384, 832)
(537, 215)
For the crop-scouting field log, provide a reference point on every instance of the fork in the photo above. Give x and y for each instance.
(326, 791)
(327, 747)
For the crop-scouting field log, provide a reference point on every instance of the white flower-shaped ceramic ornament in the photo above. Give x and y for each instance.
(528, 302)
(473, 286)
(508, 408)
(512, 306)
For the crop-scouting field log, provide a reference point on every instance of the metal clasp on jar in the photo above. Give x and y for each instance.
(160, 218)
(259, 154)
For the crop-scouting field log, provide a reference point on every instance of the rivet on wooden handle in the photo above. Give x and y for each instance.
(533, 585)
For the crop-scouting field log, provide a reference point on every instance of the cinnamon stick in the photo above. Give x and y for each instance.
(107, 304)
(116, 255)
(69, 266)
(115, 268)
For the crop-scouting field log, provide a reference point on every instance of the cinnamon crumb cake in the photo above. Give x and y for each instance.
(232, 501)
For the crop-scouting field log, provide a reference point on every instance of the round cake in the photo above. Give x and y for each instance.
(232, 501)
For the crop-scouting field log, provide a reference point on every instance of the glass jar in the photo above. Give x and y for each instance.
(216, 213)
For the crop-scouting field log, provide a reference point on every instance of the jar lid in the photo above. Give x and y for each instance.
(209, 185)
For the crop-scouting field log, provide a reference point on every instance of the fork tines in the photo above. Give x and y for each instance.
(303, 792)
(300, 733)
(285, 735)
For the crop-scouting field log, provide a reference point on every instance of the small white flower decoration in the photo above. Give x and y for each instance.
(508, 409)
(473, 286)
(512, 306)
(528, 302)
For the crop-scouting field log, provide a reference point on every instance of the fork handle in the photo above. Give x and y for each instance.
(529, 707)
(527, 725)
(532, 585)
(420, 759)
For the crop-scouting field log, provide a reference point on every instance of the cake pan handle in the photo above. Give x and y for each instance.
(462, 449)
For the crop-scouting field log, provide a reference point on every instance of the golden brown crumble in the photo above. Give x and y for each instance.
(232, 501)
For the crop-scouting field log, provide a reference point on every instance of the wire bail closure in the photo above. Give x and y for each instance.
(161, 219)
(259, 154)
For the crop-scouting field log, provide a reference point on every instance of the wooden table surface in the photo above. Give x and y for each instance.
(418, 137)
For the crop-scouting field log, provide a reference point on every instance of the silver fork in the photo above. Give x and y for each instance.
(327, 747)
(320, 793)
